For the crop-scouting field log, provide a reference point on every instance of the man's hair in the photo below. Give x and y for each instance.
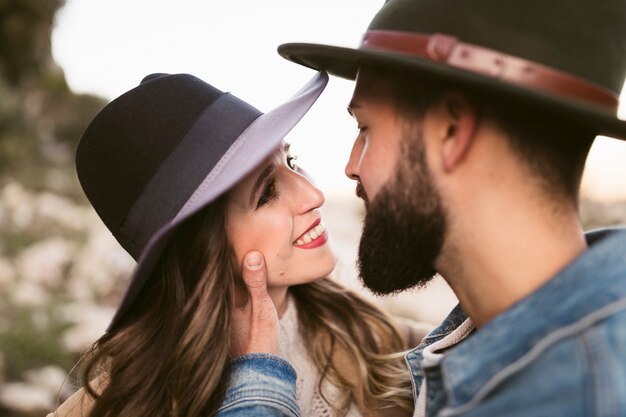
(554, 148)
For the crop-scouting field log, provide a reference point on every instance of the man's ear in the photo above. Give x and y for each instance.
(457, 129)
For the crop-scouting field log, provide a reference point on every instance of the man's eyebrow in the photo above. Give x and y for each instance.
(267, 172)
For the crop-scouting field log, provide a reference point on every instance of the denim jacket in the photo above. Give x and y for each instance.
(260, 385)
(561, 351)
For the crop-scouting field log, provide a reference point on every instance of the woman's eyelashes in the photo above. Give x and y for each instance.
(270, 191)
(290, 163)
(269, 194)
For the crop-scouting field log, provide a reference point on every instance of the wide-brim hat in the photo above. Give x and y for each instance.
(567, 58)
(164, 150)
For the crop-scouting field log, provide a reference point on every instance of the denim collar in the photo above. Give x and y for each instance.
(592, 281)
(415, 356)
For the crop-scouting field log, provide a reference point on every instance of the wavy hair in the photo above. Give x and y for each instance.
(169, 354)
(355, 346)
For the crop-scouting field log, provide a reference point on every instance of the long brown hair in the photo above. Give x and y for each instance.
(169, 355)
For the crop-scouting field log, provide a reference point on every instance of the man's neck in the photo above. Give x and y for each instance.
(505, 249)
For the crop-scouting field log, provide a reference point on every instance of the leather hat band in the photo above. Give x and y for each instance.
(447, 49)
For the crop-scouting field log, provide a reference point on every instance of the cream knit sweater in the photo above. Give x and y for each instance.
(293, 348)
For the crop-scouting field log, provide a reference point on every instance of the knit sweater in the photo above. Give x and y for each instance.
(293, 348)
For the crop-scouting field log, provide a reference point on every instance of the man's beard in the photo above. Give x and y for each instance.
(404, 227)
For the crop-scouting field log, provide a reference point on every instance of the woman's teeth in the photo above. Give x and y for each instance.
(311, 235)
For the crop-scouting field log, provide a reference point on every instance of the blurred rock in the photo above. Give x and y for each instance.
(45, 262)
(26, 398)
(54, 210)
(7, 275)
(29, 294)
(18, 205)
(58, 181)
(101, 267)
(52, 379)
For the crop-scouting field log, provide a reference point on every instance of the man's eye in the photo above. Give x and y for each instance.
(290, 163)
(270, 193)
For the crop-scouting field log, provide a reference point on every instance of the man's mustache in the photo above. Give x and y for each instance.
(360, 192)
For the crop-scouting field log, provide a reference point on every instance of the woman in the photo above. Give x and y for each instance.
(189, 179)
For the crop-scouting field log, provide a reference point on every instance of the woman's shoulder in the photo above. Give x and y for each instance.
(80, 403)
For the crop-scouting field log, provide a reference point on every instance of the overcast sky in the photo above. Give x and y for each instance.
(107, 46)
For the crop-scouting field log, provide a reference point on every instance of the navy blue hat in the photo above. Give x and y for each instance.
(161, 152)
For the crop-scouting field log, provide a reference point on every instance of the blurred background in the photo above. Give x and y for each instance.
(61, 272)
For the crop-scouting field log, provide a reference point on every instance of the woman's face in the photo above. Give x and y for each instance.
(276, 211)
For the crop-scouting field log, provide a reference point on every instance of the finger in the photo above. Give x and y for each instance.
(263, 319)
(255, 275)
(255, 280)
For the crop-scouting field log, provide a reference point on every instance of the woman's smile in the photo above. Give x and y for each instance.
(316, 235)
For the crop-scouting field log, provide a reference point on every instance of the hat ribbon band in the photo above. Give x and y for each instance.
(182, 172)
(448, 50)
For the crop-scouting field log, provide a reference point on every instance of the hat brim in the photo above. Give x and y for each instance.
(254, 145)
(345, 62)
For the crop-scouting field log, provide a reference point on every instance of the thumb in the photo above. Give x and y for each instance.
(262, 333)
(255, 275)
(255, 278)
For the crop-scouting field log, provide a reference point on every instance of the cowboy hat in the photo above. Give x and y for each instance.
(565, 57)
(164, 150)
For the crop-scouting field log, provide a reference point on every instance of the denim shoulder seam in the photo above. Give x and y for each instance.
(589, 357)
(535, 352)
(601, 403)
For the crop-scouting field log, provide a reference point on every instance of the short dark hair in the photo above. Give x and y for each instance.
(554, 148)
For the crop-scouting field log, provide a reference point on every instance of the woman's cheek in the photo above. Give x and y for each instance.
(269, 233)
(277, 268)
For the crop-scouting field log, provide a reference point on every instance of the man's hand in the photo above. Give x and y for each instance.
(255, 320)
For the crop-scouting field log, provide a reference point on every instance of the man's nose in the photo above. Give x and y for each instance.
(352, 167)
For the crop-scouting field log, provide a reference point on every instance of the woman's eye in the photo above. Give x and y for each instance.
(290, 163)
(270, 193)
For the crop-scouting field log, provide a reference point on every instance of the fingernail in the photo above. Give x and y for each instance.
(253, 260)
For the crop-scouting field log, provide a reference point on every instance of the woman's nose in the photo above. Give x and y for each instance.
(311, 197)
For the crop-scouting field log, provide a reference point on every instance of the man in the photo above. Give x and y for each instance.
(475, 120)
